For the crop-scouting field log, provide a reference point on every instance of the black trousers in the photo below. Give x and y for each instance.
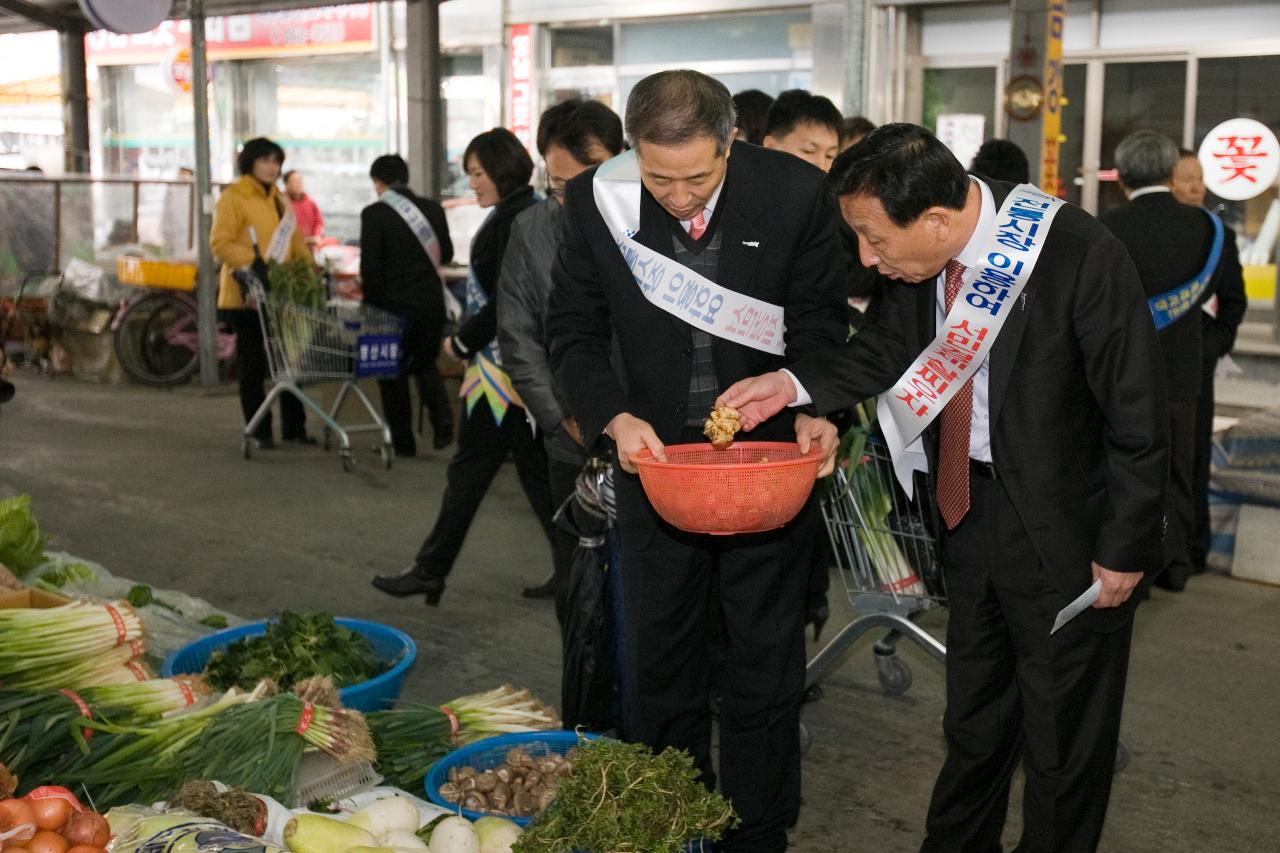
(482, 448)
(1016, 693)
(563, 477)
(763, 579)
(1200, 541)
(251, 365)
(1182, 453)
(421, 342)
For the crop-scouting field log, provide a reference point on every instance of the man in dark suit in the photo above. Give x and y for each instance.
(1049, 465)
(1219, 322)
(755, 223)
(398, 275)
(1170, 243)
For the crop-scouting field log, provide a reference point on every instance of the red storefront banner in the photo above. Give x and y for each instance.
(333, 29)
(520, 64)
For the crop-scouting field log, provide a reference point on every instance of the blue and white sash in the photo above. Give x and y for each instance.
(1168, 308)
(282, 237)
(970, 329)
(671, 286)
(421, 228)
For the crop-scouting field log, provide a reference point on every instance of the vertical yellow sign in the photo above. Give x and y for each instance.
(1051, 124)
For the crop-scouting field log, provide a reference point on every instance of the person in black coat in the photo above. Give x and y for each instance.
(756, 222)
(398, 275)
(1063, 487)
(494, 424)
(1219, 322)
(1170, 243)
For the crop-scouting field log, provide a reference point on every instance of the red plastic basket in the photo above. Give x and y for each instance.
(751, 487)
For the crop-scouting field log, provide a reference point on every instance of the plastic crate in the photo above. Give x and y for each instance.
(392, 645)
(492, 752)
(167, 275)
(322, 778)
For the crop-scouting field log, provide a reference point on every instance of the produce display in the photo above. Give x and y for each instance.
(722, 426)
(21, 543)
(411, 738)
(622, 798)
(294, 647)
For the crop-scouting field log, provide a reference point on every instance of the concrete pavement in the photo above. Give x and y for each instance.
(151, 485)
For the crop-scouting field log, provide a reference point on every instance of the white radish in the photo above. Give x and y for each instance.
(496, 834)
(454, 834)
(387, 815)
(403, 839)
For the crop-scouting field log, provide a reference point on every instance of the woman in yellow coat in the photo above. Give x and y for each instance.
(254, 207)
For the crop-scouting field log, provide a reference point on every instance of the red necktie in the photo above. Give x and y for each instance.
(698, 225)
(953, 448)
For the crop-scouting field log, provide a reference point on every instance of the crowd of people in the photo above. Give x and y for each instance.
(1061, 404)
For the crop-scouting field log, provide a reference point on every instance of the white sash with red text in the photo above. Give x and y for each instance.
(970, 329)
(673, 287)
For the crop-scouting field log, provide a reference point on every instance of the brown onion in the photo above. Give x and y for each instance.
(87, 828)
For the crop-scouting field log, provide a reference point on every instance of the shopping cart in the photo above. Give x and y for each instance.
(344, 341)
(887, 555)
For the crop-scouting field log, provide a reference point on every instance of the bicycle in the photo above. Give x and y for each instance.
(157, 336)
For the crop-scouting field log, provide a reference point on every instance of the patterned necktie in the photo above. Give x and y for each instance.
(953, 447)
(698, 225)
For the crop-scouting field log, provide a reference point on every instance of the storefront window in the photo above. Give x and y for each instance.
(1071, 150)
(1240, 87)
(960, 90)
(572, 47)
(1138, 96)
(759, 37)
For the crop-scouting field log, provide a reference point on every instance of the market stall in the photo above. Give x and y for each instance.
(137, 719)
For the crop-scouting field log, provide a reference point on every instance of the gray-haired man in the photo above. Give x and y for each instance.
(755, 223)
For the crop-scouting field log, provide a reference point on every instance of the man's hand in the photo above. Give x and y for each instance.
(820, 433)
(571, 428)
(1116, 586)
(447, 350)
(759, 398)
(632, 435)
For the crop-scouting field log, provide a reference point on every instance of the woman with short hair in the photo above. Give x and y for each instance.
(494, 422)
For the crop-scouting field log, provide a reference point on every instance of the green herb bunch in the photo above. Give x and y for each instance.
(295, 281)
(295, 647)
(621, 798)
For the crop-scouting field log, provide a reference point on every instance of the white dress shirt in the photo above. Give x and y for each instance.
(970, 256)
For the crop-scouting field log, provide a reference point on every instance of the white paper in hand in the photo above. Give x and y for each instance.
(1080, 605)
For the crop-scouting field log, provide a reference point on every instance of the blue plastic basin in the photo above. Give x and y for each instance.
(394, 646)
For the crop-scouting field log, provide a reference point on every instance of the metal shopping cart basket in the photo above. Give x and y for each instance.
(886, 552)
(344, 341)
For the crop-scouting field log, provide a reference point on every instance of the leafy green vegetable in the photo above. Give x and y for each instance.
(295, 647)
(21, 545)
(56, 579)
(620, 797)
(141, 595)
(296, 281)
(214, 620)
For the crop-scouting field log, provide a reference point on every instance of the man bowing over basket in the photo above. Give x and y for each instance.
(1017, 357)
(667, 249)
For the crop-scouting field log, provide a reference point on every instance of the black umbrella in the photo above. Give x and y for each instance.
(588, 677)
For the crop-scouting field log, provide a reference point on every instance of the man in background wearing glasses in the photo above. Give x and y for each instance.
(572, 137)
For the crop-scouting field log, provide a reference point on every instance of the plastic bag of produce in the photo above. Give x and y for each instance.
(138, 829)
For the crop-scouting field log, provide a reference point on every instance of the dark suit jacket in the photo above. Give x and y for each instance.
(1078, 421)
(396, 274)
(487, 249)
(1169, 243)
(1228, 284)
(769, 198)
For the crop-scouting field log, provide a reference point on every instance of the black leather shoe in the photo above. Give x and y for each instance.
(304, 440)
(1167, 580)
(264, 443)
(412, 582)
(545, 590)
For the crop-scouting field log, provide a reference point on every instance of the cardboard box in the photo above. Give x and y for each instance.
(26, 598)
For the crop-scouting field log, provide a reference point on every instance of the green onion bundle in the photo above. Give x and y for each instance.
(75, 645)
(120, 763)
(411, 738)
(258, 746)
(39, 725)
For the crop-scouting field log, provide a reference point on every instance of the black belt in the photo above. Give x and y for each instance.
(985, 470)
